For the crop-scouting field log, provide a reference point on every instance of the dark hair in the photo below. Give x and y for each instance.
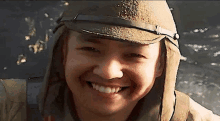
(59, 57)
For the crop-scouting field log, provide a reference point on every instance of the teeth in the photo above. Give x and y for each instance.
(108, 90)
(97, 87)
(93, 85)
(113, 90)
(117, 89)
(101, 89)
(105, 89)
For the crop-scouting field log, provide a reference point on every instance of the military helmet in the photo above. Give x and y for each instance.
(137, 21)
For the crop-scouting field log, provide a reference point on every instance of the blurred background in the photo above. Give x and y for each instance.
(26, 32)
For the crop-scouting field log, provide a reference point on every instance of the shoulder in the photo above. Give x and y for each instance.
(187, 108)
(200, 113)
(13, 99)
(2, 92)
(181, 106)
(15, 89)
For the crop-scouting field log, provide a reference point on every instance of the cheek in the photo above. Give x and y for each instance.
(76, 65)
(147, 71)
(70, 67)
(145, 75)
(144, 78)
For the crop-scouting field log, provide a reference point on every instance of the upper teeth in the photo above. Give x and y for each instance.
(105, 89)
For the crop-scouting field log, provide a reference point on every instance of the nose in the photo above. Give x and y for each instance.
(110, 69)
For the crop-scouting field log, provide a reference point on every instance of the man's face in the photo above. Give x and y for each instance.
(106, 76)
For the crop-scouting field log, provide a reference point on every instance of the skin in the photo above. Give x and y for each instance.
(109, 62)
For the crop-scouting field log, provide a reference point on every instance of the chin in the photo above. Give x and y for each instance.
(105, 110)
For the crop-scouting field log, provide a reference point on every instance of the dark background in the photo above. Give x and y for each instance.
(26, 31)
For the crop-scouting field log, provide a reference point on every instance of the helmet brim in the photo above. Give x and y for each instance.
(115, 32)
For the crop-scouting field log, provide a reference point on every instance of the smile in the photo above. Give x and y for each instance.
(105, 89)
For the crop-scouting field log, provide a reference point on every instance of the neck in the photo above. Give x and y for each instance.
(88, 115)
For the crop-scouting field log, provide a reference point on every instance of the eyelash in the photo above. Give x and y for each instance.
(92, 49)
(136, 55)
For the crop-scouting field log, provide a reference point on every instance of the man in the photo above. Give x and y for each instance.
(116, 61)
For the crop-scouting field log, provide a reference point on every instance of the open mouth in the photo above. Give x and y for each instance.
(106, 89)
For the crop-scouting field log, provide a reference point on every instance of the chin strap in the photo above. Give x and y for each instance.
(181, 107)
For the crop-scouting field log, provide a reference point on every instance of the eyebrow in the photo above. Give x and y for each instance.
(131, 44)
(93, 40)
(90, 39)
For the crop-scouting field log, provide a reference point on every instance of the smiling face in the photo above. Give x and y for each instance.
(107, 76)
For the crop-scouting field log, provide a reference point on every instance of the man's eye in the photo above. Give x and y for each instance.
(136, 55)
(92, 49)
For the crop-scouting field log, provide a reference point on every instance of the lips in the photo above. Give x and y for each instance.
(105, 89)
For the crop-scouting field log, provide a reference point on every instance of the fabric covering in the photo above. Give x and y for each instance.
(13, 100)
(162, 103)
(159, 103)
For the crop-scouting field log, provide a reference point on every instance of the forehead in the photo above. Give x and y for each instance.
(102, 40)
